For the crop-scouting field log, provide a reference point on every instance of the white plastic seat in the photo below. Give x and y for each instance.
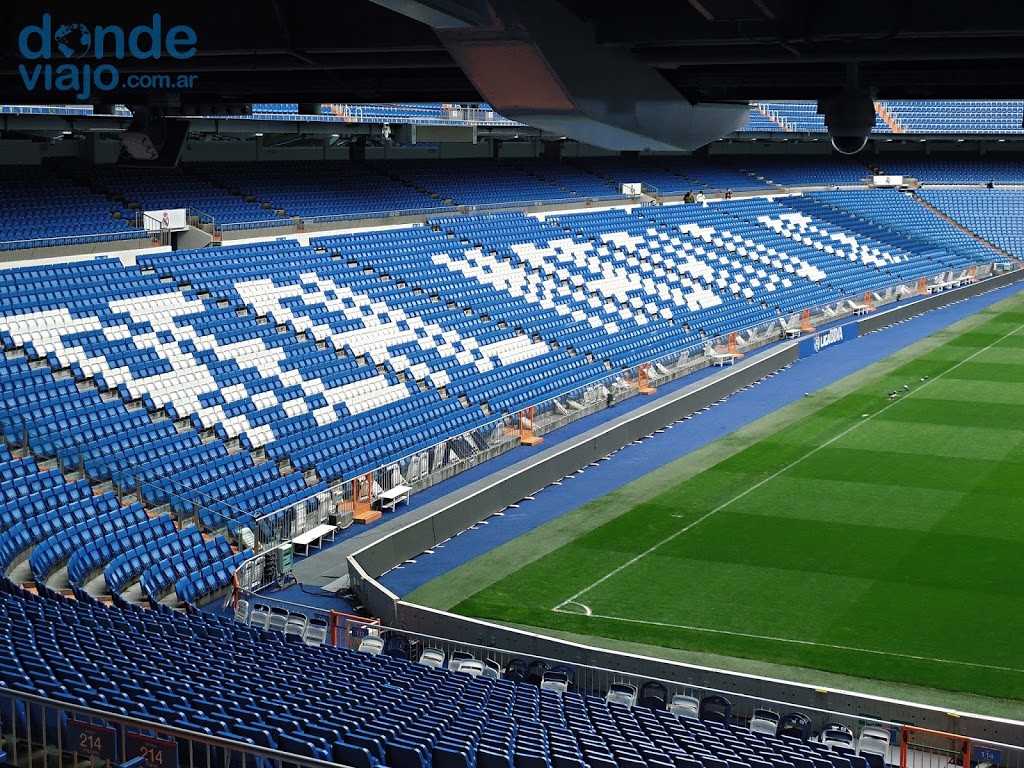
(372, 645)
(621, 693)
(296, 625)
(685, 706)
(259, 616)
(242, 612)
(471, 667)
(433, 657)
(278, 619)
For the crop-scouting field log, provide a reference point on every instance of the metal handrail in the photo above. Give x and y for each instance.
(45, 242)
(90, 714)
(391, 214)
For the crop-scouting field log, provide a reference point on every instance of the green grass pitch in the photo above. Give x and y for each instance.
(888, 546)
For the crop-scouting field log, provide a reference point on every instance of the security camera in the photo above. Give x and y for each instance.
(849, 117)
(849, 145)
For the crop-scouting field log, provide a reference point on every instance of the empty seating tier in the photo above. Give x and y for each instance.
(355, 708)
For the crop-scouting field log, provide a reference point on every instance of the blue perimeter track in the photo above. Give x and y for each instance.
(640, 458)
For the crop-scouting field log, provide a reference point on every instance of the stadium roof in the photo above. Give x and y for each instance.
(663, 74)
(361, 51)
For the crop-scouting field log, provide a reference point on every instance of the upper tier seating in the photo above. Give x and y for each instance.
(795, 117)
(486, 182)
(966, 117)
(976, 116)
(676, 175)
(39, 208)
(900, 212)
(811, 171)
(154, 189)
(964, 171)
(991, 213)
(316, 188)
(427, 113)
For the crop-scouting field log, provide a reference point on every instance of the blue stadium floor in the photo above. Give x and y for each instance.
(637, 459)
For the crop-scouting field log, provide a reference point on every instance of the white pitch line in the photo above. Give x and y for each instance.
(584, 606)
(634, 560)
(833, 646)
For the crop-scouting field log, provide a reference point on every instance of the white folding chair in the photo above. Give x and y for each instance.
(242, 612)
(316, 632)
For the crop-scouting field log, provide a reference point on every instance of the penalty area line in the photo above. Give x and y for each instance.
(792, 641)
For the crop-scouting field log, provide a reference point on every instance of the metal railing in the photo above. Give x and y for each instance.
(39, 731)
(70, 240)
(282, 525)
(299, 223)
(453, 115)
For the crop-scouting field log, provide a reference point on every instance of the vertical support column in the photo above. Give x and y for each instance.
(362, 509)
(805, 321)
(552, 150)
(643, 380)
(526, 435)
(734, 347)
(333, 627)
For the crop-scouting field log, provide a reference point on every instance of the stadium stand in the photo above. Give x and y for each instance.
(792, 116)
(244, 196)
(350, 707)
(811, 171)
(40, 208)
(902, 213)
(171, 188)
(221, 385)
(913, 117)
(156, 411)
(640, 283)
(964, 117)
(667, 175)
(992, 214)
(317, 189)
(976, 171)
(484, 182)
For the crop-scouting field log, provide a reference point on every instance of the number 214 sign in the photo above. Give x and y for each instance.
(155, 753)
(98, 741)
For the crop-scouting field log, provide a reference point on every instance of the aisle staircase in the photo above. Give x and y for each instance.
(775, 117)
(888, 118)
(969, 232)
